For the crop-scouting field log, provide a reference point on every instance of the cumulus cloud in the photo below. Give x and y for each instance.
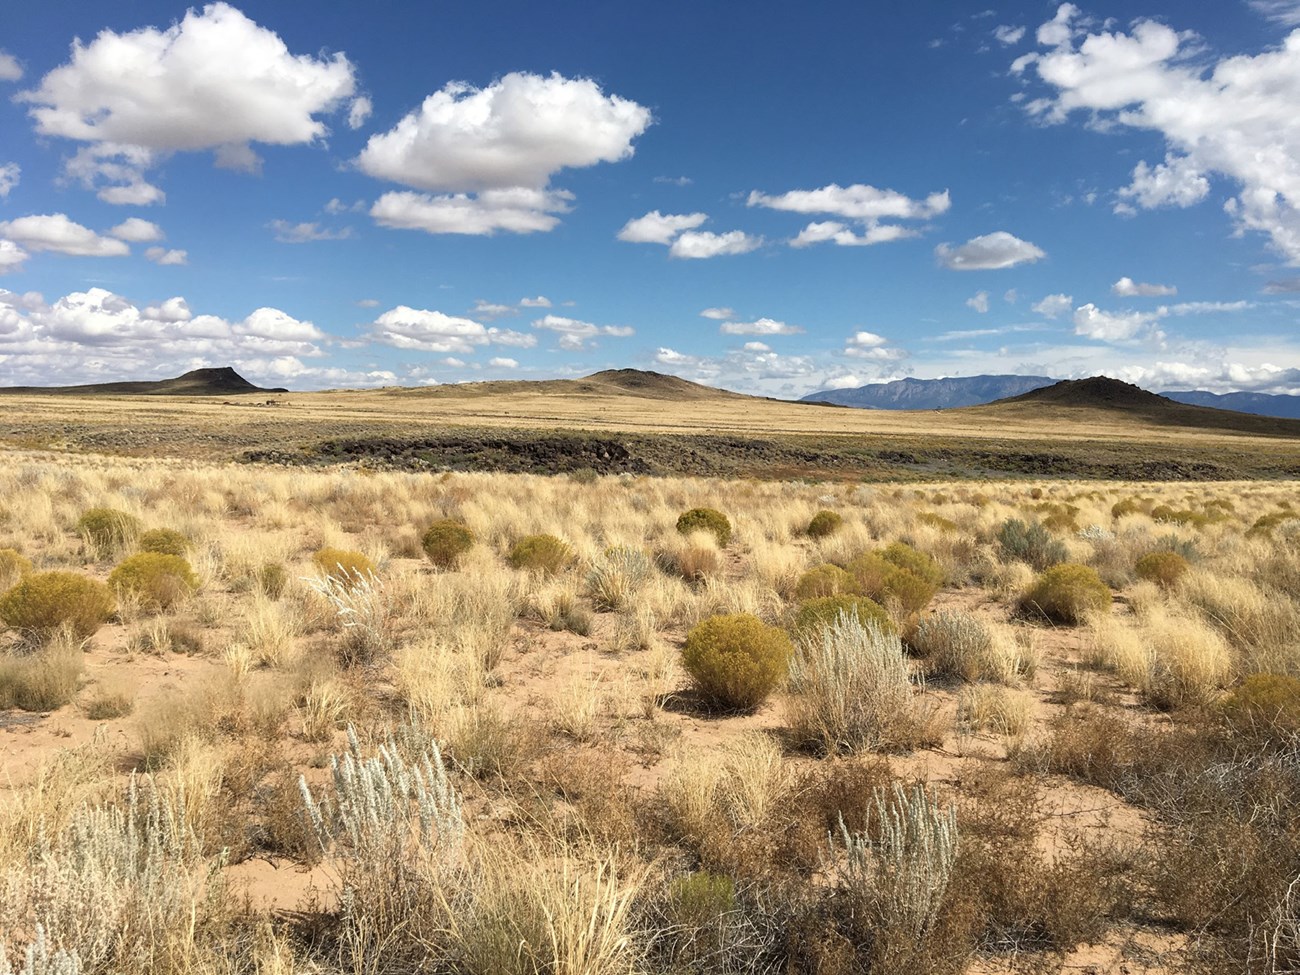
(500, 362)
(1128, 288)
(518, 210)
(1233, 118)
(718, 314)
(990, 252)
(1053, 306)
(55, 232)
(488, 311)
(425, 330)
(866, 205)
(574, 334)
(359, 111)
(496, 149)
(541, 301)
(9, 175)
(671, 357)
(215, 81)
(659, 228)
(979, 302)
(869, 345)
(701, 244)
(762, 326)
(11, 257)
(1093, 323)
(137, 231)
(303, 233)
(167, 256)
(10, 69)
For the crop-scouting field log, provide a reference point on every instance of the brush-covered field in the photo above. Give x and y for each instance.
(264, 720)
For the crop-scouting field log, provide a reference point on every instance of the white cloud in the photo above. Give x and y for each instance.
(303, 233)
(492, 152)
(517, 210)
(869, 345)
(10, 69)
(1008, 35)
(674, 180)
(990, 252)
(500, 362)
(271, 323)
(671, 357)
(9, 175)
(215, 81)
(488, 311)
(1209, 307)
(1284, 12)
(1011, 296)
(1053, 306)
(11, 257)
(541, 301)
(1234, 117)
(55, 232)
(700, 244)
(757, 347)
(172, 310)
(367, 303)
(424, 330)
(1093, 323)
(867, 205)
(1126, 287)
(762, 326)
(718, 314)
(659, 228)
(506, 336)
(336, 206)
(359, 111)
(576, 334)
(979, 302)
(165, 256)
(137, 231)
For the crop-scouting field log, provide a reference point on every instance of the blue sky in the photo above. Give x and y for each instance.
(766, 198)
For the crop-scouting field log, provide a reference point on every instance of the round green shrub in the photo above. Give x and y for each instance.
(911, 592)
(824, 523)
(917, 563)
(1264, 706)
(881, 579)
(540, 553)
(823, 611)
(445, 541)
(155, 579)
(736, 661)
(105, 528)
(1066, 593)
(343, 564)
(824, 580)
(1162, 568)
(164, 541)
(706, 520)
(13, 566)
(44, 602)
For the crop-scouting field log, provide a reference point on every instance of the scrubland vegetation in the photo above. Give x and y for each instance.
(261, 721)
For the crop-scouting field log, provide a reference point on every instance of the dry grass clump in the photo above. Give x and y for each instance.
(695, 558)
(153, 580)
(963, 646)
(736, 660)
(705, 520)
(108, 698)
(615, 581)
(1265, 708)
(45, 679)
(1067, 594)
(1263, 625)
(851, 689)
(445, 542)
(108, 530)
(44, 603)
(1000, 710)
(1191, 663)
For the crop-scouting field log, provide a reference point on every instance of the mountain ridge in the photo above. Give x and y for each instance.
(211, 381)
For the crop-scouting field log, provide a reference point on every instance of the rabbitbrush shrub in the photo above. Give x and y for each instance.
(736, 661)
(1162, 568)
(824, 610)
(164, 541)
(105, 529)
(343, 564)
(13, 566)
(824, 523)
(45, 602)
(1066, 594)
(446, 541)
(156, 580)
(884, 580)
(540, 553)
(706, 520)
(1266, 707)
(824, 580)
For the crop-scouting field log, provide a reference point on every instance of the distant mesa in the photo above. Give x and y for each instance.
(222, 381)
(1096, 391)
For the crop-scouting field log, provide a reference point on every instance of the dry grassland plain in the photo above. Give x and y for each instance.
(958, 725)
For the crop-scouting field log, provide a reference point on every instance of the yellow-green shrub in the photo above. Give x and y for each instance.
(917, 563)
(13, 566)
(540, 553)
(883, 579)
(706, 520)
(164, 541)
(824, 610)
(445, 541)
(45, 602)
(107, 528)
(823, 580)
(343, 564)
(1265, 706)
(824, 523)
(1162, 568)
(1066, 593)
(737, 660)
(155, 579)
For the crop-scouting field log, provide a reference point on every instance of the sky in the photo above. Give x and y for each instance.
(770, 198)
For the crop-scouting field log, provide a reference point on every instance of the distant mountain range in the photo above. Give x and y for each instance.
(946, 394)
